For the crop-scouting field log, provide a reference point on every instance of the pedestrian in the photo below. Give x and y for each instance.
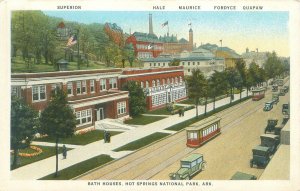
(64, 151)
(108, 137)
(105, 136)
(182, 113)
(179, 112)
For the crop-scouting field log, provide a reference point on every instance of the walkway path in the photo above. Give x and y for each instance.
(53, 144)
(47, 166)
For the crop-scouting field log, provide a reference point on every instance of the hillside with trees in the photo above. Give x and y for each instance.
(37, 44)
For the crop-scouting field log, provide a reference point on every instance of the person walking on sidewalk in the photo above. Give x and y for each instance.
(64, 152)
(108, 137)
(105, 136)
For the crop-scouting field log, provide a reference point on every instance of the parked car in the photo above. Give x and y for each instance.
(243, 176)
(286, 89)
(281, 92)
(271, 141)
(271, 125)
(275, 88)
(189, 166)
(268, 106)
(261, 156)
(286, 110)
(275, 98)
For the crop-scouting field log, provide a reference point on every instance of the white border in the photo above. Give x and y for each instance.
(143, 5)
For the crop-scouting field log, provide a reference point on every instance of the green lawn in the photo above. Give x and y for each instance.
(142, 142)
(186, 123)
(47, 152)
(80, 168)
(188, 101)
(83, 139)
(143, 120)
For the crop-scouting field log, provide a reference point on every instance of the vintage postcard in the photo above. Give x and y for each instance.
(150, 95)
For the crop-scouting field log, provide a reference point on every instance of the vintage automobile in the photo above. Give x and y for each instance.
(275, 98)
(243, 176)
(281, 92)
(271, 141)
(268, 106)
(261, 156)
(286, 110)
(286, 89)
(271, 125)
(275, 88)
(189, 166)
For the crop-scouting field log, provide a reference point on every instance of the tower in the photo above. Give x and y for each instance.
(191, 36)
(150, 24)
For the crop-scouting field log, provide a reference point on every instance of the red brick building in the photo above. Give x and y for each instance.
(145, 45)
(93, 94)
(161, 85)
(115, 33)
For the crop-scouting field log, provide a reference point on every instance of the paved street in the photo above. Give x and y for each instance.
(47, 166)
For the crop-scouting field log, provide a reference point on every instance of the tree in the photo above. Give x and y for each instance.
(240, 65)
(137, 98)
(23, 123)
(273, 66)
(217, 85)
(175, 62)
(58, 119)
(197, 87)
(129, 53)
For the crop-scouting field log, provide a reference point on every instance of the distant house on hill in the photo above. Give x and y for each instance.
(255, 56)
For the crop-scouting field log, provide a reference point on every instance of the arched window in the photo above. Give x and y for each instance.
(157, 82)
(163, 81)
(168, 81)
(153, 83)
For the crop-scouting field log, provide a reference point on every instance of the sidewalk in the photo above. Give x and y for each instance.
(47, 166)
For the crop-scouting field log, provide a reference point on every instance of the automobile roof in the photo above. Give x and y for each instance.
(270, 136)
(192, 157)
(261, 148)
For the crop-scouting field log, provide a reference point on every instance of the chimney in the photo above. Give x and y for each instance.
(150, 24)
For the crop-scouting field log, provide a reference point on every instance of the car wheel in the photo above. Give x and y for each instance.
(203, 166)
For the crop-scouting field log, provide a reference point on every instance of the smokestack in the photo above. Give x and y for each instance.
(150, 24)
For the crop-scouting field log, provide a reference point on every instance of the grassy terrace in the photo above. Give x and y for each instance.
(142, 142)
(143, 120)
(47, 152)
(80, 168)
(163, 111)
(186, 123)
(83, 139)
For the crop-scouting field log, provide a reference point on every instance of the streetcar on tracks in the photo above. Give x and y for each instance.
(203, 131)
(258, 94)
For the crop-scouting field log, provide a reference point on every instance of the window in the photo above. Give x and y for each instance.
(150, 64)
(121, 107)
(92, 85)
(112, 83)
(78, 87)
(157, 83)
(189, 70)
(154, 64)
(54, 87)
(176, 80)
(147, 84)
(168, 81)
(70, 88)
(39, 92)
(142, 84)
(84, 116)
(188, 63)
(83, 87)
(192, 135)
(180, 79)
(102, 84)
(16, 91)
(163, 81)
(193, 63)
(153, 83)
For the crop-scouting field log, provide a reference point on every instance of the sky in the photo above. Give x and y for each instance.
(265, 31)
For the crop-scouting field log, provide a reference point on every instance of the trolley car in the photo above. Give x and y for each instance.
(258, 94)
(202, 131)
